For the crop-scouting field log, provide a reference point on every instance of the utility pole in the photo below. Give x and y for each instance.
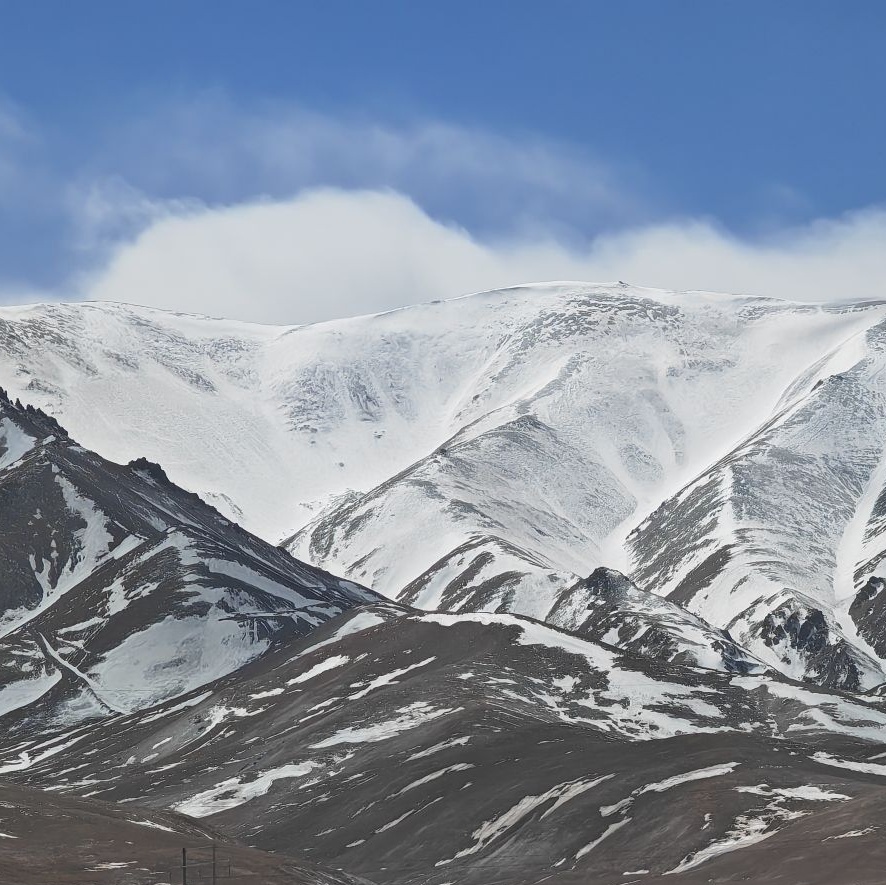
(184, 866)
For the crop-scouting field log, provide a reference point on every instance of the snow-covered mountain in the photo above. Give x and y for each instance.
(490, 452)
(120, 590)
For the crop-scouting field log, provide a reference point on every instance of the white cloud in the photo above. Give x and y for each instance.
(325, 254)
(280, 214)
(69, 200)
(12, 125)
(331, 253)
(18, 144)
(109, 211)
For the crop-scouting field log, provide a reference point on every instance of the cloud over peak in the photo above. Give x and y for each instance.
(276, 213)
(331, 253)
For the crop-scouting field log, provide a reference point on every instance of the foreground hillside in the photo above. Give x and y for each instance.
(428, 748)
(68, 841)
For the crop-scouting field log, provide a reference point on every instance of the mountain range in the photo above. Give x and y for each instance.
(533, 585)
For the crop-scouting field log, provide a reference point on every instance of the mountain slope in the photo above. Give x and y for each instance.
(592, 408)
(477, 456)
(154, 653)
(120, 590)
(70, 841)
(773, 540)
(431, 748)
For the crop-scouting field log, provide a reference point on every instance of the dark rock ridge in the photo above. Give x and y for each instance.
(868, 611)
(608, 607)
(807, 631)
(803, 640)
(119, 589)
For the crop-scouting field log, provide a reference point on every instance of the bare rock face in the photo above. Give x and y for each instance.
(608, 607)
(868, 612)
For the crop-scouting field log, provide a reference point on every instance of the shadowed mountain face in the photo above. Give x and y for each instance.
(120, 590)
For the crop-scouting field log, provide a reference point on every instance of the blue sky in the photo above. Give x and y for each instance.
(568, 128)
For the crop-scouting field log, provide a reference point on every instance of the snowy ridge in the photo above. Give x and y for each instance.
(767, 542)
(121, 590)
